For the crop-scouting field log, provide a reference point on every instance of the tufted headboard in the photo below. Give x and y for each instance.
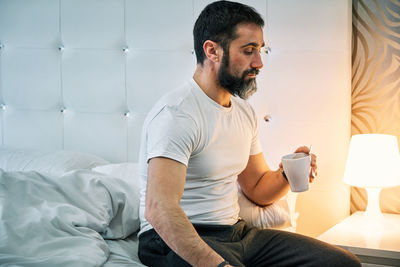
(81, 75)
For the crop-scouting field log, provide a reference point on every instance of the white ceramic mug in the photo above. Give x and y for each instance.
(297, 169)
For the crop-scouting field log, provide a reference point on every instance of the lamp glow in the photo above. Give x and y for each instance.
(373, 162)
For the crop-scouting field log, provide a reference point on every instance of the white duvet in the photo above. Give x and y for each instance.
(50, 220)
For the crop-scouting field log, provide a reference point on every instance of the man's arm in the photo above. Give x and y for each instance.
(263, 186)
(260, 184)
(165, 185)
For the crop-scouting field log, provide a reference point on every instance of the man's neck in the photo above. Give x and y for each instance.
(207, 79)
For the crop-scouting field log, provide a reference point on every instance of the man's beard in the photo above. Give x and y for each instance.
(237, 86)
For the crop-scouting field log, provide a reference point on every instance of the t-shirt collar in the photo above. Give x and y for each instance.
(204, 96)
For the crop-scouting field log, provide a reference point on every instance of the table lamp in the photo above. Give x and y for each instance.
(373, 163)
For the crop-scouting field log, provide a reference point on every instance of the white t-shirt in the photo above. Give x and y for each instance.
(213, 141)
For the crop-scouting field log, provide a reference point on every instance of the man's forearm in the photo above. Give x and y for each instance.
(271, 187)
(173, 226)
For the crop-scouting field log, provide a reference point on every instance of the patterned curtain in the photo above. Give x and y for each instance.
(376, 82)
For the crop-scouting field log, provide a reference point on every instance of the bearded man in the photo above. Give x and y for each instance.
(198, 142)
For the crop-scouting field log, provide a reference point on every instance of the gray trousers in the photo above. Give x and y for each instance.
(241, 245)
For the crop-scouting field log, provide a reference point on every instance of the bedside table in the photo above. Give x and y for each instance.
(375, 244)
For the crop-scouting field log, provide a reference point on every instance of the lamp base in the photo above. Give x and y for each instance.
(373, 219)
(373, 209)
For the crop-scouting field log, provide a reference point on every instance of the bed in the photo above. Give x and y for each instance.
(74, 93)
(65, 208)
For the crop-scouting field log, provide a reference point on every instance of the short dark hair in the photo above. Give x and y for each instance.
(217, 22)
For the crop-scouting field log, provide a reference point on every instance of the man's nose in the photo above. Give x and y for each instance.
(257, 61)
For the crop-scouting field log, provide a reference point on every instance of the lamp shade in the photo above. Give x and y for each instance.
(373, 161)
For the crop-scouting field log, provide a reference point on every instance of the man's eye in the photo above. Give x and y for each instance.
(251, 51)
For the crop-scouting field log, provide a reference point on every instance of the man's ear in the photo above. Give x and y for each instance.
(211, 49)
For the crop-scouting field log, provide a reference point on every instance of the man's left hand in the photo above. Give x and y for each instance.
(313, 172)
(305, 149)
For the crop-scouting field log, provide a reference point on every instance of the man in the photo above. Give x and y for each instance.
(198, 142)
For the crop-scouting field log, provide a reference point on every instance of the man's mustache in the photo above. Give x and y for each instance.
(251, 71)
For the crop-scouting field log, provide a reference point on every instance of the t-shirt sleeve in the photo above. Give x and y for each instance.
(171, 134)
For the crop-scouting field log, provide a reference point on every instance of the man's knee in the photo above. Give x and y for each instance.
(340, 257)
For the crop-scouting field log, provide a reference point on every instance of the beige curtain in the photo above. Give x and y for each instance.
(376, 82)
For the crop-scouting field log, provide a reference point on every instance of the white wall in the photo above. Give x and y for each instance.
(307, 94)
(304, 86)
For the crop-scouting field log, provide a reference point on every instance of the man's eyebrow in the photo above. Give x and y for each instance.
(253, 44)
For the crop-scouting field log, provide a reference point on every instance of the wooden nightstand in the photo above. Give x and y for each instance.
(374, 243)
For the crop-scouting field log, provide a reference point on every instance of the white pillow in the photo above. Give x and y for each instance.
(276, 215)
(55, 162)
(127, 171)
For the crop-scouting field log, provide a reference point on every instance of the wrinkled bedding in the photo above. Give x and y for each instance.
(123, 252)
(80, 218)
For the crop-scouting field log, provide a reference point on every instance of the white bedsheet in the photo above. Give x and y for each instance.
(123, 252)
(48, 220)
